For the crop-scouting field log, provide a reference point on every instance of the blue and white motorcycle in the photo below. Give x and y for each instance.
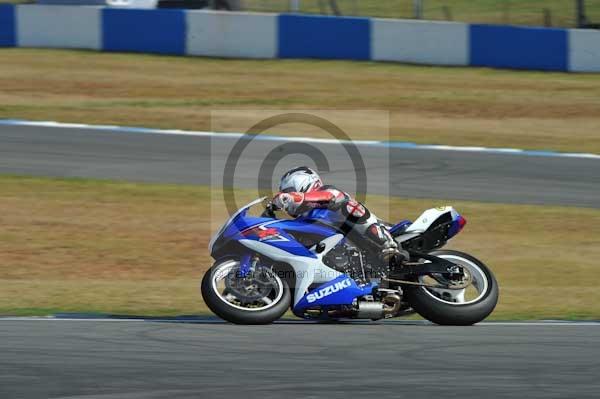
(265, 266)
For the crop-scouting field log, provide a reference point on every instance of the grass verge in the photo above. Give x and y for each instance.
(458, 106)
(96, 246)
(521, 12)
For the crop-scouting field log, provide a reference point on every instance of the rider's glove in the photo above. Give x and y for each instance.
(282, 201)
(269, 211)
(288, 201)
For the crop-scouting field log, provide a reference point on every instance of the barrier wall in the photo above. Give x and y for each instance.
(8, 34)
(231, 34)
(584, 50)
(144, 31)
(79, 27)
(324, 37)
(420, 42)
(517, 47)
(255, 35)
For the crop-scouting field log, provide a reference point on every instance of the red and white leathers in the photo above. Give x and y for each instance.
(356, 216)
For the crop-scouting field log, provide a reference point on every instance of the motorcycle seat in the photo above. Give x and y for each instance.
(399, 227)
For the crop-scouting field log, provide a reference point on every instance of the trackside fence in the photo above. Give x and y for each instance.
(257, 35)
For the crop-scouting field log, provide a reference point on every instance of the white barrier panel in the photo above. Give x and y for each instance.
(133, 3)
(111, 3)
(58, 26)
(584, 50)
(420, 42)
(231, 34)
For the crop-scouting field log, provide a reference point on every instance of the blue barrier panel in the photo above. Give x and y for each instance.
(7, 26)
(148, 31)
(518, 47)
(302, 36)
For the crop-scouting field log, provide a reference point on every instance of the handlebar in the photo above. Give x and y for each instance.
(269, 211)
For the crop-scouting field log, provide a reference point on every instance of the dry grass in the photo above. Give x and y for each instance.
(90, 246)
(519, 12)
(460, 106)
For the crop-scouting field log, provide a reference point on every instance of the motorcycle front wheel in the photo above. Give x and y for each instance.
(260, 297)
(457, 307)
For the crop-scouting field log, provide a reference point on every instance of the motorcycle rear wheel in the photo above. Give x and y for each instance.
(453, 309)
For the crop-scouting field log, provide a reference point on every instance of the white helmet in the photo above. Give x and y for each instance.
(301, 179)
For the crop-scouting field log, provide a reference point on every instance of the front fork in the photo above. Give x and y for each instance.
(248, 262)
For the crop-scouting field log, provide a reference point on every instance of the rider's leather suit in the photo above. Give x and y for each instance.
(352, 215)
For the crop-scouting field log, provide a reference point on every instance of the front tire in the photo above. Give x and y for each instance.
(455, 310)
(229, 307)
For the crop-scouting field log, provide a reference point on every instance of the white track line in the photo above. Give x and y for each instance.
(553, 323)
(371, 143)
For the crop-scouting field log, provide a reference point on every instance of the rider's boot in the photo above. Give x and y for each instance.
(390, 254)
(393, 256)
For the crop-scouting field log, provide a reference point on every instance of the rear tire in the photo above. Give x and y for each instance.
(234, 314)
(455, 314)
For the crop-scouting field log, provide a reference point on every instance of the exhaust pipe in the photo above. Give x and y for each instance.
(388, 307)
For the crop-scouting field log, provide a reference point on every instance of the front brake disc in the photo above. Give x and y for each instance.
(249, 288)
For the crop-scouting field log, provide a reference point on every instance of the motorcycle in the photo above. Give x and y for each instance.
(265, 266)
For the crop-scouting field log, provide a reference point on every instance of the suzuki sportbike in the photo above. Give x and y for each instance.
(265, 266)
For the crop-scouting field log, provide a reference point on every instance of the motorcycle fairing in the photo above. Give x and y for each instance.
(342, 290)
(458, 222)
(244, 222)
(429, 218)
(399, 227)
(275, 237)
(243, 226)
(240, 214)
(323, 215)
(308, 270)
(305, 227)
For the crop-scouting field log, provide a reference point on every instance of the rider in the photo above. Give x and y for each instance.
(301, 190)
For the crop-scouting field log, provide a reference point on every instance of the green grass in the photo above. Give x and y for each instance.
(74, 245)
(458, 106)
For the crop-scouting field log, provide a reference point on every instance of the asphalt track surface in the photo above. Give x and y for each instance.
(414, 173)
(206, 359)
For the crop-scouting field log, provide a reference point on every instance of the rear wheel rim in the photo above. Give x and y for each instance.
(473, 293)
(225, 270)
